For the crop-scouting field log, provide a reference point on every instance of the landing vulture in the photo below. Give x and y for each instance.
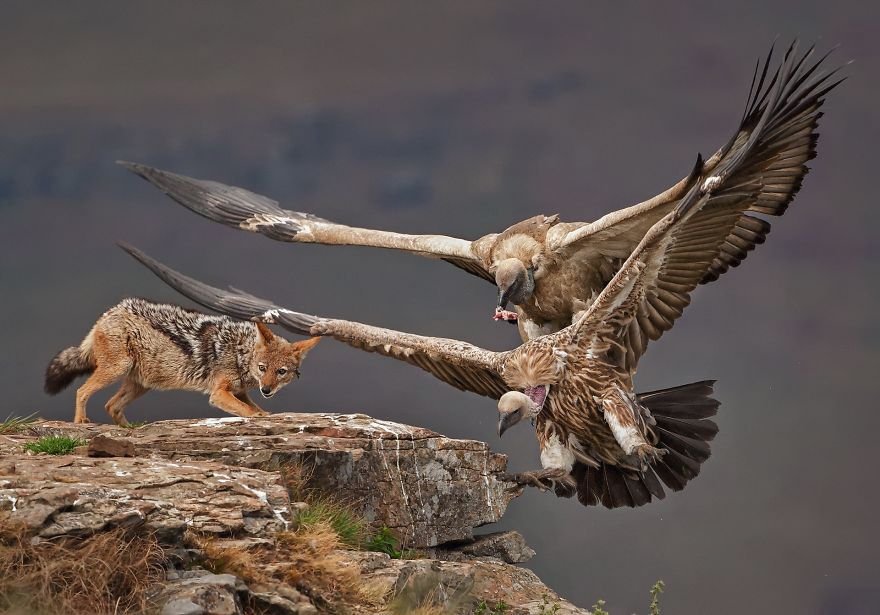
(552, 270)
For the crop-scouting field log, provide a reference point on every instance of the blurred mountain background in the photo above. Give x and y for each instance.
(461, 118)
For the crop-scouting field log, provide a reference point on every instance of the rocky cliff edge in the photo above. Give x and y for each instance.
(229, 510)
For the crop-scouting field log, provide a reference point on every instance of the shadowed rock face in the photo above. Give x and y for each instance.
(210, 476)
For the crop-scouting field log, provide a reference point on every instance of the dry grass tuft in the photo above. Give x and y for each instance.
(310, 559)
(17, 424)
(296, 479)
(222, 559)
(317, 566)
(107, 573)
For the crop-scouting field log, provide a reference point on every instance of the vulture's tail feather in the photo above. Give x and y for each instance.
(684, 429)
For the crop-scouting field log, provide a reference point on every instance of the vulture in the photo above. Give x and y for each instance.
(552, 270)
(598, 438)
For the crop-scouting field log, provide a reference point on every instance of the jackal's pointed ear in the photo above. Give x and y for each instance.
(302, 348)
(264, 334)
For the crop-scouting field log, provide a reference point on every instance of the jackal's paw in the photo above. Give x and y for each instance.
(81, 419)
(647, 454)
(504, 315)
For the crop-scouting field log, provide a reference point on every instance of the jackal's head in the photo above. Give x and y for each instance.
(275, 361)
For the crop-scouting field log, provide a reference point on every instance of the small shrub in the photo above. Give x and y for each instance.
(383, 541)
(54, 445)
(548, 608)
(16, 424)
(484, 608)
(599, 607)
(656, 590)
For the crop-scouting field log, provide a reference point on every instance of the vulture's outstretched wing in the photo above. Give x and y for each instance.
(460, 364)
(240, 208)
(770, 157)
(708, 229)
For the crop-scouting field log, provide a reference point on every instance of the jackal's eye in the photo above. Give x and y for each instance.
(261, 367)
(282, 371)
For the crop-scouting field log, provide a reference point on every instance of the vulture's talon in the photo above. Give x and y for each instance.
(543, 480)
(647, 455)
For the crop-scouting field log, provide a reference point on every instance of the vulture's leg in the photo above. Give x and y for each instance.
(623, 418)
(546, 479)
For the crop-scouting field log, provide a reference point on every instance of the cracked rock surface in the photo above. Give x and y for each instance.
(69, 495)
(428, 488)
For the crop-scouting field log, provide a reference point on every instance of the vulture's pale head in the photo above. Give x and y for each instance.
(514, 406)
(515, 282)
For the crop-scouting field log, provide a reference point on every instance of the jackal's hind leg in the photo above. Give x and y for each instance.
(127, 393)
(243, 396)
(105, 374)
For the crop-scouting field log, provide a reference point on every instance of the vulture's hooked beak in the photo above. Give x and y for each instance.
(508, 420)
(504, 296)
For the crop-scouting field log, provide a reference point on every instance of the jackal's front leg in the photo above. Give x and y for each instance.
(243, 396)
(223, 398)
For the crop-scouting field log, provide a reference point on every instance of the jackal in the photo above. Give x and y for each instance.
(157, 346)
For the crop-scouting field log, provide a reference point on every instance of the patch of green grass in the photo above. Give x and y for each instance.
(16, 424)
(54, 445)
(136, 424)
(483, 608)
(384, 541)
(351, 528)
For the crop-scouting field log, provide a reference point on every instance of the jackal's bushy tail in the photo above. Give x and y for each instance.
(67, 365)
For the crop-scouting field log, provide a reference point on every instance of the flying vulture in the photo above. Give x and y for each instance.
(552, 270)
(598, 438)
